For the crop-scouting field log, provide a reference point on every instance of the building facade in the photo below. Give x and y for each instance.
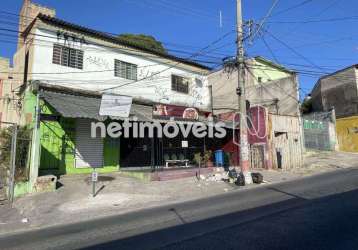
(65, 71)
(274, 89)
(339, 92)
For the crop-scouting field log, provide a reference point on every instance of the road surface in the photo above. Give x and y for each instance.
(319, 212)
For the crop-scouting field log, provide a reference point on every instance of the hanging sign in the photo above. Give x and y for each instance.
(115, 105)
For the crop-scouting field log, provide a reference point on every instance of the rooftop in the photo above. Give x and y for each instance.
(111, 38)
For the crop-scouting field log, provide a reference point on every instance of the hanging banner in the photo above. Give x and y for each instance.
(115, 105)
(167, 111)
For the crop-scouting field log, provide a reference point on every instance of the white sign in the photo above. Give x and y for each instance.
(94, 176)
(184, 144)
(115, 105)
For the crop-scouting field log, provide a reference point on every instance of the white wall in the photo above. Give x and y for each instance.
(99, 58)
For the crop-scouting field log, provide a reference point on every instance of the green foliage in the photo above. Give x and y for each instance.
(22, 149)
(144, 41)
(203, 158)
(306, 106)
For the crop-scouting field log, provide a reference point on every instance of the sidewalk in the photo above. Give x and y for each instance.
(73, 201)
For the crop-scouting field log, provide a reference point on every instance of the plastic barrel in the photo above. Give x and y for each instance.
(219, 158)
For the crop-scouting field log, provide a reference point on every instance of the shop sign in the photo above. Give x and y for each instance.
(184, 144)
(115, 105)
(180, 112)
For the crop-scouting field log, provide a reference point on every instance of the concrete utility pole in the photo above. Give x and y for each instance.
(244, 146)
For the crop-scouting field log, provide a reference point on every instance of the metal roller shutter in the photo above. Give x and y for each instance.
(89, 151)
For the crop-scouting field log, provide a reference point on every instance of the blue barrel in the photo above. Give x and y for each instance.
(219, 158)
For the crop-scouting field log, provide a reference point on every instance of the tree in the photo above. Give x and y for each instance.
(22, 151)
(144, 41)
(306, 106)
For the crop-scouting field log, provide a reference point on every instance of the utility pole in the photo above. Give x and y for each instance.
(244, 146)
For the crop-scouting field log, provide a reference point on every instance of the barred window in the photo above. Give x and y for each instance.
(180, 84)
(66, 56)
(125, 70)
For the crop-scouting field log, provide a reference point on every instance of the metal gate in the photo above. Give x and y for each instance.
(316, 129)
(7, 161)
(89, 151)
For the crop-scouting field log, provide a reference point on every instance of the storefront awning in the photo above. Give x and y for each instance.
(74, 106)
(87, 106)
(81, 106)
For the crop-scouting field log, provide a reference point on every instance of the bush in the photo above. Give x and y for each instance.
(22, 150)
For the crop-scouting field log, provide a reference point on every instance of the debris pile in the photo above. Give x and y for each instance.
(231, 176)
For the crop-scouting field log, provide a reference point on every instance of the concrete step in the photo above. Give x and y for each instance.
(182, 173)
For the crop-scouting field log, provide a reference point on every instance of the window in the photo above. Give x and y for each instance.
(125, 70)
(68, 57)
(180, 84)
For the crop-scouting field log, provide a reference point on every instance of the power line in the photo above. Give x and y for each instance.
(298, 54)
(269, 48)
(293, 50)
(114, 47)
(291, 8)
(106, 46)
(173, 9)
(265, 87)
(269, 13)
(338, 19)
(194, 55)
(105, 32)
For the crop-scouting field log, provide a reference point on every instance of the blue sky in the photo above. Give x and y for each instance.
(314, 38)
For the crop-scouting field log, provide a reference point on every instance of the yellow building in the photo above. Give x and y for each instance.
(347, 133)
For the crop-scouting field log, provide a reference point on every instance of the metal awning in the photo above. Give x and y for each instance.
(82, 106)
(87, 106)
(74, 106)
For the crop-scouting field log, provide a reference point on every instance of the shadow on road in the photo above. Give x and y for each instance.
(329, 222)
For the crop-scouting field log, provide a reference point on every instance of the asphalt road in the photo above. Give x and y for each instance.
(319, 212)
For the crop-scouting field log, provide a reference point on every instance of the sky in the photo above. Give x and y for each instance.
(312, 37)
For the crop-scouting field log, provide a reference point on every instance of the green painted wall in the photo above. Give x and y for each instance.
(267, 72)
(58, 144)
(111, 148)
(29, 107)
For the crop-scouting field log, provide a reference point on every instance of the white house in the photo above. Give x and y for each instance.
(77, 57)
(67, 68)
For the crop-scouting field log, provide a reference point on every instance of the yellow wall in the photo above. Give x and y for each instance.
(347, 133)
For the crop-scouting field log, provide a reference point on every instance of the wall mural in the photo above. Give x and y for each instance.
(70, 39)
(97, 61)
(196, 91)
(145, 73)
(162, 93)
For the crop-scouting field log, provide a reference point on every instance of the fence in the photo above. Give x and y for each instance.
(14, 150)
(286, 141)
(319, 131)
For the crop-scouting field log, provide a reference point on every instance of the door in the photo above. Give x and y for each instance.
(89, 151)
(57, 146)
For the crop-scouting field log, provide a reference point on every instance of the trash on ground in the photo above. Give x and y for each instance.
(257, 178)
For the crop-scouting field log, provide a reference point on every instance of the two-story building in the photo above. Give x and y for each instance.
(338, 91)
(67, 69)
(272, 94)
